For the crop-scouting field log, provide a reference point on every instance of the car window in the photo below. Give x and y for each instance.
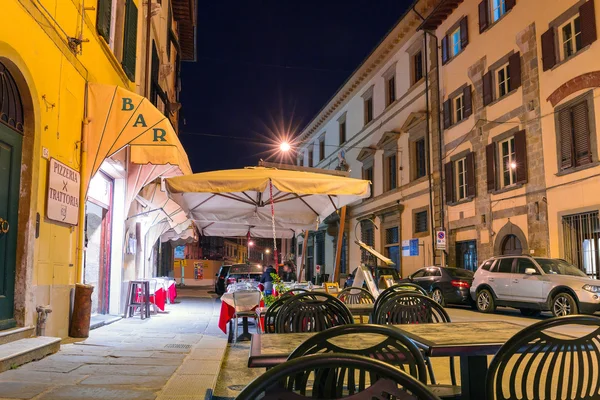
(487, 265)
(504, 266)
(559, 267)
(433, 272)
(525, 263)
(419, 274)
(460, 273)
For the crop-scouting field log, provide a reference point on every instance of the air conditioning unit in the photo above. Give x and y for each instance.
(165, 70)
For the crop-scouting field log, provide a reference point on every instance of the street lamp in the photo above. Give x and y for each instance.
(250, 243)
(267, 251)
(285, 147)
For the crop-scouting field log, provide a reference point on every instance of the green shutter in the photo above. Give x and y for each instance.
(130, 39)
(103, 19)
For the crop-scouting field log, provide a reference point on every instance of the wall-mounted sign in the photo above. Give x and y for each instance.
(410, 248)
(440, 240)
(62, 202)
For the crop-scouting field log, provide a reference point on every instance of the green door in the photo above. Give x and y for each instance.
(10, 168)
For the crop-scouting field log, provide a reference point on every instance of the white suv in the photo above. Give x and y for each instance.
(534, 284)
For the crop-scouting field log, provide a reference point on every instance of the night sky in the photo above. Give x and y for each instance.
(269, 66)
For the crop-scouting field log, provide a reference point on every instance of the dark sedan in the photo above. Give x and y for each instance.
(445, 285)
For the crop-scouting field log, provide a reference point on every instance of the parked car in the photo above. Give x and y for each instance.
(445, 285)
(534, 284)
(239, 272)
(220, 281)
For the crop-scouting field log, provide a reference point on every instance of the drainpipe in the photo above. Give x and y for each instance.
(148, 56)
(82, 190)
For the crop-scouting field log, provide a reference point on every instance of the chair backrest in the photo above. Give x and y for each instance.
(380, 342)
(537, 364)
(335, 376)
(401, 287)
(244, 300)
(356, 295)
(410, 308)
(311, 312)
(297, 291)
(331, 287)
(271, 314)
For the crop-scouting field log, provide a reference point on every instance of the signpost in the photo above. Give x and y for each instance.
(440, 240)
(62, 203)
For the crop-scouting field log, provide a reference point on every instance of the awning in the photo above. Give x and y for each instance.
(141, 175)
(120, 118)
(158, 200)
(224, 229)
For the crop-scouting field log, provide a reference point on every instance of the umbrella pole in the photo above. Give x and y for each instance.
(303, 263)
(338, 250)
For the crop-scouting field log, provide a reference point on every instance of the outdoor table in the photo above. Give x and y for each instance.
(471, 341)
(227, 313)
(364, 309)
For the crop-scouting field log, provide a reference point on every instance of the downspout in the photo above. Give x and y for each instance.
(427, 114)
(82, 188)
(148, 55)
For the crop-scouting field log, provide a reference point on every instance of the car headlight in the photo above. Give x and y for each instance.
(592, 288)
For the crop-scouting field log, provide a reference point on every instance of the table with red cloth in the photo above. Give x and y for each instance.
(228, 310)
(161, 290)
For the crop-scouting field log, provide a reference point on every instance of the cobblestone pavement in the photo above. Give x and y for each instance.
(176, 355)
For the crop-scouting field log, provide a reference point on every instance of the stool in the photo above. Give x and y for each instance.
(141, 289)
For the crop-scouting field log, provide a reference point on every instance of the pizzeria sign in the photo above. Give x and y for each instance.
(62, 203)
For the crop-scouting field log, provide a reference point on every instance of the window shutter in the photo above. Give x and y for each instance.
(521, 156)
(514, 67)
(468, 102)
(548, 50)
(487, 88)
(588, 23)
(449, 177)
(581, 134)
(490, 156)
(447, 114)
(103, 19)
(470, 161)
(566, 139)
(464, 32)
(509, 4)
(130, 39)
(444, 49)
(483, 16)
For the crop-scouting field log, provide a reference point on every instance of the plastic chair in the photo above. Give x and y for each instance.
(311, 312)
(535, 364)
(335, 376)
(244, 303)
(380, 342)
(331, 287)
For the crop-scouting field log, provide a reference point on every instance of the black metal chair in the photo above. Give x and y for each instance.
(271, 314)
(538, 364)
(401, 287)
(414, 308)
(311, 312)
(355, 295)
(297, 291)
(380, 342)
(335, 376)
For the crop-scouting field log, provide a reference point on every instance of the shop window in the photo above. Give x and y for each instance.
(581, 241)
(466, 255)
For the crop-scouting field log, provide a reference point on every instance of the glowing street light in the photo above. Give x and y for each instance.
(267, 251)
(250, 243)
(285, 147)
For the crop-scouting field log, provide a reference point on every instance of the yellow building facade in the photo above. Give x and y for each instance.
(50, 51)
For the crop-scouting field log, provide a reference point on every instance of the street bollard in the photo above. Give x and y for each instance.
(40, 326)
(82, 310)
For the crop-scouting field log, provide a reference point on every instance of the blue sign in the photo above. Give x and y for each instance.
(180, 252)
(414, 247)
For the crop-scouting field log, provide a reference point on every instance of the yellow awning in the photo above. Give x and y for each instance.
(119, 118)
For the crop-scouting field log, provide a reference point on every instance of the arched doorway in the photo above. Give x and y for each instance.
(511, 246)
(11, 140)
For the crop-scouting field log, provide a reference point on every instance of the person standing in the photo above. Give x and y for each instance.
(267, 279)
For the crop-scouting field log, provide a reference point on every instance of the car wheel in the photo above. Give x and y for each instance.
(438, 297)
(564, 304)
(530, 312)
(485, 301)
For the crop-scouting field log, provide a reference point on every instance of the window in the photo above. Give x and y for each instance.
(581, 241)
(571, 37)
(322, 149)
(130, 40)
(459, 108)
(310, 158)
(419, 274)
(455, 43)
(320, 243)
(343, 131)
(461, 179)
(504, 266)
(503, 81)
(487, 265)
(466, 256)
(523, 264)
(574, 136)
(367, 236)
(417, 61)
(301, 161)
(498, 9)
(368, 176)
(508, 167)
(392, 245)
(421, 222)
(368, 110)
(420, 160)
(391, 90)
(390, 163)
(103, 19)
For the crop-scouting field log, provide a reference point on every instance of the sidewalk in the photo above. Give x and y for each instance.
(169, 356)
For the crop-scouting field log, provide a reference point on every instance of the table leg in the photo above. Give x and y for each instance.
(473, 370)
(245, 336)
